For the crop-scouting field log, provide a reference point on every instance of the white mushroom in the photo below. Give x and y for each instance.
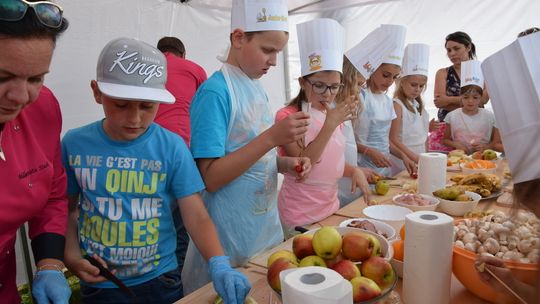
(534, 256)
(461, 233)
(481, 249)
(512, 255)
(471, 246)
(491, 245)
(503, 249)
(513, 241)
(509, 224)
(469, 238)
(459, 244)
(486, 254)
(525, 246)
(499, 254)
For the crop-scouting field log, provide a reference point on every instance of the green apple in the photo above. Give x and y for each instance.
(382, 187)
(289, 255)
(312, 260)
(364, 289)
(327, 242)
(489, 154)
(302, 245)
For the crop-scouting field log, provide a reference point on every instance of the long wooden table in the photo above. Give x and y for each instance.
(255, 270)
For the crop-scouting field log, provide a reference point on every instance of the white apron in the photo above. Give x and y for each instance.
(414, 132)
(245, 210)
(372, 129)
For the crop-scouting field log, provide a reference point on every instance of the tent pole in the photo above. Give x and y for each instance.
(286, 73)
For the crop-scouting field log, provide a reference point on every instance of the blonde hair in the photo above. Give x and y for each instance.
(399, 93)
(350, 82)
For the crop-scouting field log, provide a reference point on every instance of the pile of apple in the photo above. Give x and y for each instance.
(328, 248)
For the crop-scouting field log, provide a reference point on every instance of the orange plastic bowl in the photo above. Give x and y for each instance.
(464, 270)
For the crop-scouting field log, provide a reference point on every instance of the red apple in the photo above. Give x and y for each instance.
(347, 269)
(289, 255)
(312, 260)
(302, 246)
(356, 246)
(331, 262)
(377, 251)
(273, 272)
(364, 289)
(379, 270)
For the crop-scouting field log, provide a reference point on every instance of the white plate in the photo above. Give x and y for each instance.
(380, 226)
(387, 212)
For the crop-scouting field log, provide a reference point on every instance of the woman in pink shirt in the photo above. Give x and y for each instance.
(316, 198)
(32, 178)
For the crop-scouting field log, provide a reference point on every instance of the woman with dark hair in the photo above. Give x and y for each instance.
(33, 181)
(459, 47)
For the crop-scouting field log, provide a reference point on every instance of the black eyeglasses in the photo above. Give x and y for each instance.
(320, 87)
(48, 13)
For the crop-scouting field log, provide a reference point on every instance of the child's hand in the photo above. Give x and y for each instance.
(336, 116)
(290, 129)
(410, 165)
(433, 125)
(301, 167)
(371, 176)
(378, 158)
(88, 272)
(497, 267)
(359, 180)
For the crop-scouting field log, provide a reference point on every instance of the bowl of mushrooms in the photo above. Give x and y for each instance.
(515, 239)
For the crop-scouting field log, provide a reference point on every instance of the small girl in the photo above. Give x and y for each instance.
(316, 198)
(471, 128)
(372, 127)
(352, 82)
(409, 129)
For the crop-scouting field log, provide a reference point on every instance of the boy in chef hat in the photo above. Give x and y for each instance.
(378, 57)
(471, 128)
(321, 43)
(233, 140)
(512, 75)
(409, 129)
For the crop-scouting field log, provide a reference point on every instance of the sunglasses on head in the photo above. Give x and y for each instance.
(48, 13)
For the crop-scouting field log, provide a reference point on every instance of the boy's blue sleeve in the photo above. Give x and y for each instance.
(209, 115)
(72, 186)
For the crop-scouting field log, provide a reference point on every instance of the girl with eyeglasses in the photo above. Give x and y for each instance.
(32, 178)
(316, 198)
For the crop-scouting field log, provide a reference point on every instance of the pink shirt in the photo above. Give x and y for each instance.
(32, 183)
(183, 79)
(315, 198)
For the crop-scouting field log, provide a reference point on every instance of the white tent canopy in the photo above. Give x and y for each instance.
(203, 26)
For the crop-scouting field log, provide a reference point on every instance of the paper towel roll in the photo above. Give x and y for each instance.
(427, 265)
(314, 285)
(431, 172)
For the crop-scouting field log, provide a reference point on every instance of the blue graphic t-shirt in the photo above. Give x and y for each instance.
(127, 191)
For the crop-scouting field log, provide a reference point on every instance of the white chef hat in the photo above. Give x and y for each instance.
(259, 15)
(471, 74)
(321, 43)
(380, 46)
(513, 77)
(415, 60)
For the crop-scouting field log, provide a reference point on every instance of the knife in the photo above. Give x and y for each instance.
(110, 276)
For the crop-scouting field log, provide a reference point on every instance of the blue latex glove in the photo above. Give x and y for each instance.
(232, 285)
(50, 286)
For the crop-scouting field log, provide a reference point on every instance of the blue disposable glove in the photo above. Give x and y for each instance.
(232, 285)
(50, 286)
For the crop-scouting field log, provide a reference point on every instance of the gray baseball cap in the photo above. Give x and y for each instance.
(131, 69)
